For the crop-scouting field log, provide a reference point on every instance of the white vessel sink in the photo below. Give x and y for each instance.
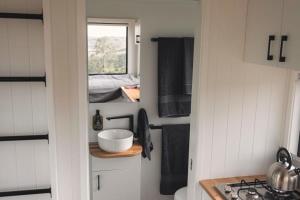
(115, 140)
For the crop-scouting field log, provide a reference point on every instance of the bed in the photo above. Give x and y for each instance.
(106, 88)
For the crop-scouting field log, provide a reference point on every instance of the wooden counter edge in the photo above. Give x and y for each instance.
(95, 151)
(209, 185)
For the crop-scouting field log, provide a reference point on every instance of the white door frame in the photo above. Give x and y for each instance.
(290, 135)
(83, 99)
(50, 100)
(76, 141)
(199, 100)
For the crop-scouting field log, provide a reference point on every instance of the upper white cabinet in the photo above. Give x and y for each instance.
(273, 33)
(291, 28)
(263, 24)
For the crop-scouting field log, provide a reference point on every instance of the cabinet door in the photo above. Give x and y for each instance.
(263, 20)
(291, 28)
(114, 185)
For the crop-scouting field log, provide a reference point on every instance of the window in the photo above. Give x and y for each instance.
(107, 48)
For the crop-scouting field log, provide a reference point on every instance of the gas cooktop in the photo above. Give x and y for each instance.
(257, 190)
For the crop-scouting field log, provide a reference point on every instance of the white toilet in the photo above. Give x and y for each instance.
(181, 194)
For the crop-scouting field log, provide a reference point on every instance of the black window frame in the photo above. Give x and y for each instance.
(127, 52)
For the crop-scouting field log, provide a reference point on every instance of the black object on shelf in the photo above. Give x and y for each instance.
(23, 79)
(21, 16)
(25, 192)
(154, 39)
(24, 137)
(97, 121)
(151, 126)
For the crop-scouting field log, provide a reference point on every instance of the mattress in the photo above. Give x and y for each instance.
(104, 88)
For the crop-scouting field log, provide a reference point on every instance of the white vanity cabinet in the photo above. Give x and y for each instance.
(273, 33)
(116, 178)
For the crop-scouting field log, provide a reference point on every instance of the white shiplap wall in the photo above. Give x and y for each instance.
(244, 104)
(24, 164)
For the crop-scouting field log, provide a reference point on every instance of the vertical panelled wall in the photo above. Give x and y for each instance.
(24, 164)
(244, 104)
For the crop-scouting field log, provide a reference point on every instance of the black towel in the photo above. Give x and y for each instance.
(174, 160)
(175, 69)
(188, 44)
(143, 133)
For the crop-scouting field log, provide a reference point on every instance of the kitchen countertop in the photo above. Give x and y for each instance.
(209, 185)
(135, 150)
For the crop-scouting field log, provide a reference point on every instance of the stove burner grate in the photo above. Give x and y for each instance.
(255, 190)
(252, 193)
(250, 190)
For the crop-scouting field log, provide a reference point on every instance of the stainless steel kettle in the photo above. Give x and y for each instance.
(282, 176)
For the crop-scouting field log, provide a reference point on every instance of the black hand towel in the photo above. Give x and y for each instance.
(174, 160)
(188, 44)
(143, 133)
(175, 69)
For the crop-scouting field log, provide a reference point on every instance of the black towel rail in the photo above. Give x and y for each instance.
(24, 137)
(21, 16)
(152, 126)
(23, 79)
(154, 39)
(25, 192)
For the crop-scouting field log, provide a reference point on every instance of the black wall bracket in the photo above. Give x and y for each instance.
(25, 192)
(24, 137)
(151, 126)
(22, 16)
(24, 79)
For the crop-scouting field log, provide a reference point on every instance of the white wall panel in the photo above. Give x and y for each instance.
(8, 175)
(24, 164)
(32, 6)
(245, 104)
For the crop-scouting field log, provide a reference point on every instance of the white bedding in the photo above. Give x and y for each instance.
(110, 83)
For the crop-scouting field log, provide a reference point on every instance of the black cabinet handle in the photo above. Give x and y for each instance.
(98, 179)
(271, 38)
(284, 38)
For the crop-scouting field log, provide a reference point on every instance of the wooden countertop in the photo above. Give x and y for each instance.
(209, 185)
(136, 149)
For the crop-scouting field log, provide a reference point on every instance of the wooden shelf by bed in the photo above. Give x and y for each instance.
(133, 94)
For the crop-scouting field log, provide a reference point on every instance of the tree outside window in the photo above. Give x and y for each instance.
(107, 49)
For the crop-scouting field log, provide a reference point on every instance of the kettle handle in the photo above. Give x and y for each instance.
(284, 153)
